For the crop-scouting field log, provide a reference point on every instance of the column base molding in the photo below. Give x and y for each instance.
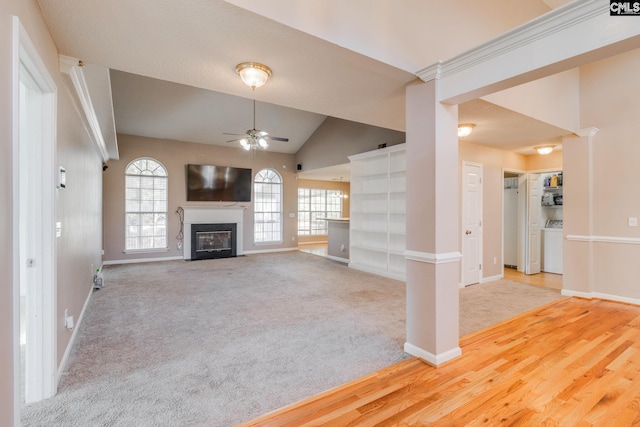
(432, 359)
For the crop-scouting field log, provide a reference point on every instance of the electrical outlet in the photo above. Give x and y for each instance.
(632, 221)
(68, 320)
(179, 245)
(495, 260)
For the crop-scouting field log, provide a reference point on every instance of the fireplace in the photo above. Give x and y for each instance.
(213, 241)
(195, 216)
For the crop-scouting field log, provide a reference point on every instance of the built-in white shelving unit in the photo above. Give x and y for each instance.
(378, 211)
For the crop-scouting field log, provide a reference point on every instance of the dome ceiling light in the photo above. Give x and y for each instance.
(465, 129)
(253, 74)
(544, 149)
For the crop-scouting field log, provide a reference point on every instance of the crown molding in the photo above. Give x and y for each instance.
(586, 131)
(71, 69)
(557, 20)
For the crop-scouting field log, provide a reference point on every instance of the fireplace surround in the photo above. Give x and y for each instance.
(211, 215)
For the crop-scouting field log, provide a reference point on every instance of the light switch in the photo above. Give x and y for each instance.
(292, 215)
(633, 221)
(58, 229)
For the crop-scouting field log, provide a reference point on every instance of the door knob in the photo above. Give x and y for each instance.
(468, 232)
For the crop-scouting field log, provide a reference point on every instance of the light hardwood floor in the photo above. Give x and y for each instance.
(574, 362)
(547, 280)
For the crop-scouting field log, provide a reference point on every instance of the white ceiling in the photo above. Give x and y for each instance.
(160, 109)
(347, 59)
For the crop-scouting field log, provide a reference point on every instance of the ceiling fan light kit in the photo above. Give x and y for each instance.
(254, 75)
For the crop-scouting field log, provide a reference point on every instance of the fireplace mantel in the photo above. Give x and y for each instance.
(211, 215)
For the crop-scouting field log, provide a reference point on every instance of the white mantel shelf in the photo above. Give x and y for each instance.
(212, 215)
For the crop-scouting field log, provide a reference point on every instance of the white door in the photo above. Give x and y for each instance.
(534, 199)
(471, 223)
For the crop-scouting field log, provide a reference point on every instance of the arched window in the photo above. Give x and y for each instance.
(267, 207)
(146, 194)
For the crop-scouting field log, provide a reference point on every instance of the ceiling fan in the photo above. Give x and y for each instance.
(253, 138)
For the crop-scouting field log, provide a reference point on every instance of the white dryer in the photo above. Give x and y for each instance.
(552, 247)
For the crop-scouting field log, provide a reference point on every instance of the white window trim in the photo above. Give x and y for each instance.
(146, 250)
(281, 183)
(311, 234)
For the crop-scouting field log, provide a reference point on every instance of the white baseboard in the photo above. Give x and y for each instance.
(432, 359)
(599, 295)
(137, 260)
(336, 258)
(491, 278)
(266, 251)
(67, 351)
(570, 293)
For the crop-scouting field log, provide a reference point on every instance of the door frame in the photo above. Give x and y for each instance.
(462, 225)
(26, 56)
(520, 221)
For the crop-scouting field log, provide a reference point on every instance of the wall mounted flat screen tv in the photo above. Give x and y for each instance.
(206, 183)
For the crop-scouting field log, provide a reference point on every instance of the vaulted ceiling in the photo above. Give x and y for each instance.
(173, 63)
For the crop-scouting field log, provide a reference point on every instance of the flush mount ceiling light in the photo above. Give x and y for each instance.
(253, 74)
(544, 149)
(465, 129)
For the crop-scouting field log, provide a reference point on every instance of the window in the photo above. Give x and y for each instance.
(317, 203)
(145, 205)
(267, 207)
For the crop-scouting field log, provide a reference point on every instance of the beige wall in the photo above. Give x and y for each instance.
(336, 139)
(175, 155)
(561, 109)
(537, 162)
(78, 207)
(609, 101)
(327, 185)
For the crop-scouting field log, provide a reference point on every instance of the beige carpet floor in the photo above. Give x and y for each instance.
(214, 343)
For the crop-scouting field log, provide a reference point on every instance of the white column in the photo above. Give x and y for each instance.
(578, 216)
(433, 226)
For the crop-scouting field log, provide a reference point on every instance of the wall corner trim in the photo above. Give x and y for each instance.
(71, 70)
(432, 359)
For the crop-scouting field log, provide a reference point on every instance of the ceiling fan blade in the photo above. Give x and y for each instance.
(276, 138)
(235, 134)
(235, 140)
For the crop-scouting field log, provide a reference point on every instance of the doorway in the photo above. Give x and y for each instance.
(34, 106)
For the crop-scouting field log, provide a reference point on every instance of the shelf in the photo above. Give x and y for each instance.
(378, 211)
(369, 230)
(559, 187)
(379, 250)
(369, 176)
(372, 193)
(551, 206)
